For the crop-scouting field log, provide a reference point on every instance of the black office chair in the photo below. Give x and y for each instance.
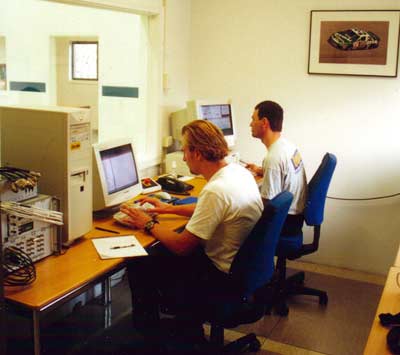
(251, 270)
(313, 216)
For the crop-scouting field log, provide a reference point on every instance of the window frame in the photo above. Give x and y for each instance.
(73, 61)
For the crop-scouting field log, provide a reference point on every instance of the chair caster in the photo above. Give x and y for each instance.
(254, 346)
(244, 344)
(282, 310)
(268, 311)
(323, 299)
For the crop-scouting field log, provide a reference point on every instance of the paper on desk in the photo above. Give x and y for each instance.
(118, 247)
(185, 178)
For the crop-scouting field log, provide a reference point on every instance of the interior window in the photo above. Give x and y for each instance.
(84, 60)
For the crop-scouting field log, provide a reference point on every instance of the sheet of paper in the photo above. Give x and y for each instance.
(118, 247)
(185, 178)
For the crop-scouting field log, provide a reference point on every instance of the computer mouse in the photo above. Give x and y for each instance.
(162, 195)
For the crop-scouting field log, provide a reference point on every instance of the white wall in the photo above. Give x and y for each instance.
(123, 61)
(255, 50)
(176, 58)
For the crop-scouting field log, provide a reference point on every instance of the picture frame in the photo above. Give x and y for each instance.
(3, 77)
(354, 42)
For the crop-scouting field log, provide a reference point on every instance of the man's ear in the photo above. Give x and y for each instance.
(197, 155)
(265, 122)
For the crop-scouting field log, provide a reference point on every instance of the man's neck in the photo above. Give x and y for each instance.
(270, 138)
(210, 168)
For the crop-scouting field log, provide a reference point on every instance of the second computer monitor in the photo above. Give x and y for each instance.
(218, 112)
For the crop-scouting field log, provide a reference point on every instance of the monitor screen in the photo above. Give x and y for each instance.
(116, 177)
(219, 112)
(119, 168)
(220, 115)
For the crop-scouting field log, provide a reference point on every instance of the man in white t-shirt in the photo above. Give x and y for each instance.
(200, 257)
(282, 167)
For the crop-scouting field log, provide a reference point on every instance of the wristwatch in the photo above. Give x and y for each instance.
(149, 225)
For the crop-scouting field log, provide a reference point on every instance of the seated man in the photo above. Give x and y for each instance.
(282, 168)
(198, 260)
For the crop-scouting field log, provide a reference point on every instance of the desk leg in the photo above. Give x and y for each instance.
(107, 302)
(36, 332)
(107, 291)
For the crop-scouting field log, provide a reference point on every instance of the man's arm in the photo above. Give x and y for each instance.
(163, 208)
(178, 243)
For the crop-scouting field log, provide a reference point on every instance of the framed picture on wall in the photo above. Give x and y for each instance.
(3, 77)
(354, 42)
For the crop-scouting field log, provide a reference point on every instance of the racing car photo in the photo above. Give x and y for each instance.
(354, 39)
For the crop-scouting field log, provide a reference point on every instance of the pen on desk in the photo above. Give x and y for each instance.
(122, 246)
(106, 230)
(243, 162)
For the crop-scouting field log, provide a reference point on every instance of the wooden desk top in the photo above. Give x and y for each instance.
(57, 276)
(389, 303)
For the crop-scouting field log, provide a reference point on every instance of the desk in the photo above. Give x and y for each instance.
(61, 278)
(389, 303)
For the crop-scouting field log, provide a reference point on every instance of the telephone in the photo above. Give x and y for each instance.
(173, 185)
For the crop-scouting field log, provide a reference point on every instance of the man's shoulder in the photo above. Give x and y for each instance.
(283, 149)
(232, 174)
(281, 154)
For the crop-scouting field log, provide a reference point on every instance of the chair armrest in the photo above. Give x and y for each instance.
(307, 248)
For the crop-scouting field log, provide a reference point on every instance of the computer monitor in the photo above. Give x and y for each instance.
(218, 112)
(115, 174)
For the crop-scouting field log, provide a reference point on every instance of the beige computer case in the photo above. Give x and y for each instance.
(55, 141)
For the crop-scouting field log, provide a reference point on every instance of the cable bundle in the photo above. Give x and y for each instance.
(31, 212)
(18, 267)
(20, 179)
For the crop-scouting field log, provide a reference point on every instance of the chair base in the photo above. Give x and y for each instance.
(246, 343)
(294, 285)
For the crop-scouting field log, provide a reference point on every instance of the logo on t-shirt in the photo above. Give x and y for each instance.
(296, 160)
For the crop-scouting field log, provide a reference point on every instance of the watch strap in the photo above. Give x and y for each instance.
(149, 225)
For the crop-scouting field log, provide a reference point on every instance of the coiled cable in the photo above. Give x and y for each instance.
(20, 179)
(18, 267)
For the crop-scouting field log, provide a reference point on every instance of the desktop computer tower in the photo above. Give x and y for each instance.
(56, 142)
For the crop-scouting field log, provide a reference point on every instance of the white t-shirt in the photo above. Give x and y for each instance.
(227, 209)
(284, 170)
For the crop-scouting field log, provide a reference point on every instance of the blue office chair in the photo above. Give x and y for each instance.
(313, 216)
(251, 270)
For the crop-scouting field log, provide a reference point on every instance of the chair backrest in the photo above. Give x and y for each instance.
(253, 265)
(317, 191)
